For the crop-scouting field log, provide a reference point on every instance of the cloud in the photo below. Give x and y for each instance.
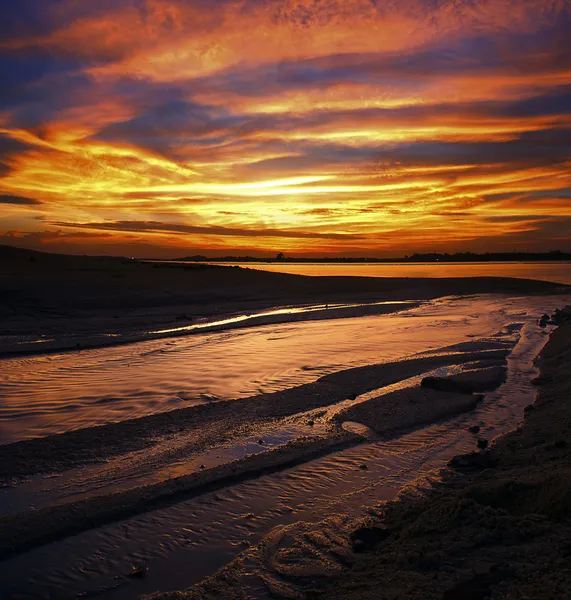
(333, 126)
(19, 200)
(155, 226)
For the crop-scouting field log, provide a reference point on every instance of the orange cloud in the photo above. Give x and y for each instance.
(339, 126)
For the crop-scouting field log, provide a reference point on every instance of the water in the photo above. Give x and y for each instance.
(189, 540)
(54, 393)
(559, 272)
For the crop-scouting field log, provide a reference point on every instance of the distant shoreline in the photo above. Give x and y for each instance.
(60, 302)
(462, 258)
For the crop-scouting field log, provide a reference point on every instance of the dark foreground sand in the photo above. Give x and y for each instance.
(495, 525)
(85, 301)
(502, 530)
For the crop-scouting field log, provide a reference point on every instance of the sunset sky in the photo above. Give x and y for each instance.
(342, 127)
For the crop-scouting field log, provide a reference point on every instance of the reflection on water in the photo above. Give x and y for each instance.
(559, 272)
(279, 311)
(54, 393)
(186, 542)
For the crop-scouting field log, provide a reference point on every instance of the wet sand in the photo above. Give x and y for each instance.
(495, 524)
(219, 422)
(119, 507)
(132, 459)
(499, 531)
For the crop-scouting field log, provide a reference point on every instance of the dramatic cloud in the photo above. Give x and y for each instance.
(140, 226)
(334, 127)
(19, 200)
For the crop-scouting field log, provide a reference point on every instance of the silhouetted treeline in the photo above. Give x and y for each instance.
(554, 255)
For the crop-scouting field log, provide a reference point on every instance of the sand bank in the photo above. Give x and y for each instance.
(212, 423)
(217, 421)
(54, 302)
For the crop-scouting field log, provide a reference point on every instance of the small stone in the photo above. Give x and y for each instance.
(482, 443)
(311, 423)
(260, 442)
(139, 571)
(474, 429)
(363, 467)
(352, 397)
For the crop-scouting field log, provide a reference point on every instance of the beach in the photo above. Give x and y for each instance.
(52, 302)
(324, 397)
(492, 524)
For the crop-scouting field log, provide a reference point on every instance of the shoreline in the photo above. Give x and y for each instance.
(83, 504)
(497, 526)
(493, 524)
(251, 319)
(80, 302)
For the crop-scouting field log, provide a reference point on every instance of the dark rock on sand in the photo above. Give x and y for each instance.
(446, 384)
(561, 316)
(480, 380)
(529, 408)
(482, 443)
(474, 429)
(363, 467)
(367, 538)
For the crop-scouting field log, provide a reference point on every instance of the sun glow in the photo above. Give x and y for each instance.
(337, 127)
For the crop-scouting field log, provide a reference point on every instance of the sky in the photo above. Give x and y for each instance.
(311, 127)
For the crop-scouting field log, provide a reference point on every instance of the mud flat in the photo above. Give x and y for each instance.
(494, 524)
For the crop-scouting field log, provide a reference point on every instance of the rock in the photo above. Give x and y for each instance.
(543, 320)
(363, 467)
(482, 443)
(260, 442)
(139, 571)
(446, 384)
(475, 461)
(367, 538)
(468, 382)
(311, 423)
(529, 408)
(474, 429)
(561, 316)
(352, 397)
